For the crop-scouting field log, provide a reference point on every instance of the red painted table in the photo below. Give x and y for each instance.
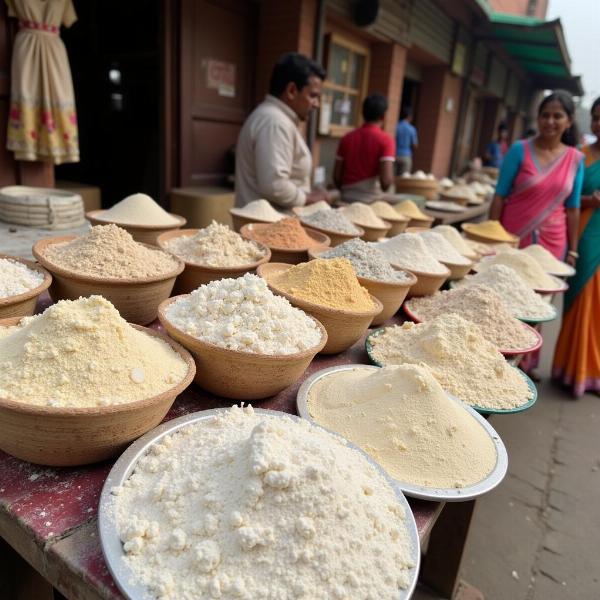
(48, 515)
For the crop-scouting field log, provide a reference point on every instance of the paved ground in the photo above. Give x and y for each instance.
(537, 536)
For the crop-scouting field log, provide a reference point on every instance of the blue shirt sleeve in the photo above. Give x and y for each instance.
(574, 200)
(509, 169)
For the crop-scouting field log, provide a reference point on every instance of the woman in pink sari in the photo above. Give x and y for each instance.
(539, 187)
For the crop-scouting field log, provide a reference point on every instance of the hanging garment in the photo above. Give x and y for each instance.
(42, 122)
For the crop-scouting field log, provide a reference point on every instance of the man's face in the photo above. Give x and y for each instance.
(305, 100)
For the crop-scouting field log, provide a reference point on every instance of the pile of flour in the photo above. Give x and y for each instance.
(442, 249)
(248, 506)
(409, 251)
(460, 358)
(17, 278)
(138, 209)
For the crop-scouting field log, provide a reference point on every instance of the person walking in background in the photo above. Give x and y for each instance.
(577, 354)
(272, 158)
(539, 187)
(496, 150)
(406, 141)
(364, 164)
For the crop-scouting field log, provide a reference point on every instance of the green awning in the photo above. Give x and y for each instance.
(539, 47)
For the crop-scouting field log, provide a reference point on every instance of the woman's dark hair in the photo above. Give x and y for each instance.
(571, 136)
(374, 107)
(595, 105)
(293, 67)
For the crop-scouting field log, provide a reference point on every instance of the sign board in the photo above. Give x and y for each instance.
(220, 76)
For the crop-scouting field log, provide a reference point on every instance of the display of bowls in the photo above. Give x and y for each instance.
(23, 305)
(69, 436)
(287, 255)
(194, 275)
(336, 238)
(136, 300)
(112, 546)
(390, 294)
(477, 237)
(344, 327)
(146, 234)
(461, 494)
(241, 375)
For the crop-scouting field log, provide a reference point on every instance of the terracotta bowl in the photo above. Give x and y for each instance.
(285, 255)
(391, 295)
(241, 375)
(195, 275)
(343, 327)
(423, 187)
(136, 300)
(336, 238)
(23, 305)
(240, 220)
(65, 437)
(457, 271)
(397, 226)
(146, 234)
(486, 240)
(372, 234)
(421, 223)
(462, 200)
(427, 283)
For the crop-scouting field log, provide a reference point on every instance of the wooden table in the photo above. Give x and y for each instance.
(448, 218)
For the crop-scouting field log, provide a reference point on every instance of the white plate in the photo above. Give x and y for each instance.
(112, 548)
(445, 206)
(418, 491)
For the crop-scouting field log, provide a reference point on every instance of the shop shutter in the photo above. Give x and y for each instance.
(432, 30)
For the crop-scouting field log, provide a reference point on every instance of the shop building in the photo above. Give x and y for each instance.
(162, 108)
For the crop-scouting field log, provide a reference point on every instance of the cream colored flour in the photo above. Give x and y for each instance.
(442, 249)
(482, 306)
(404, 420)
(547, 261)
(253, 507)
(216, 246)
(460, 358)
(457, 241)
(17, 278)
(261, 210)
(362, 214)
(83, 353)
(138, 209)
(107, 251)
(526, 266)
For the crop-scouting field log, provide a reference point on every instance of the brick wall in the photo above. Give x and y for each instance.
(388, 62)
(521, 7)
(436, 125)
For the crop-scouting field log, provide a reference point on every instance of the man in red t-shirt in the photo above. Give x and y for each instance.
(364, 164)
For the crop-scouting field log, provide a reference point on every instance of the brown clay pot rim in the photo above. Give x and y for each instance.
(368, 228)
(327, 232)
(162, 317)
(162, 239)
(316, 235)
(62, 272)
(52, 411)
(92, 215)
(310, 306)
(36, 291)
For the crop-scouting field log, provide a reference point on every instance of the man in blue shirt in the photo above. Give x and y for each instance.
(406, 140)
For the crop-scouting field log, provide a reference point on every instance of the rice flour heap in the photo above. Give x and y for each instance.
(248, 506)
(409, 251)
(17, 278)
(464, 363)
(261, 210)
(362, 214)
(138, 209)
(333, 220)
(442, 249)
(526, 266)
(454, 237)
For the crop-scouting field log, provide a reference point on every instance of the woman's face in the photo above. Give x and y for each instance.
(595, 126)
(553, 120)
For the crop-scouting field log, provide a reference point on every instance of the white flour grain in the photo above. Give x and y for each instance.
(409, 251)
(442, 249)
(17, 278)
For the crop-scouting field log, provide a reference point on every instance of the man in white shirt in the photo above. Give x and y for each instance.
(272, 158)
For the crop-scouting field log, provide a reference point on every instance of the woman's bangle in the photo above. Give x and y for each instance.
(573, 253)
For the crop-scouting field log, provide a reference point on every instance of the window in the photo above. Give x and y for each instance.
(345, 86)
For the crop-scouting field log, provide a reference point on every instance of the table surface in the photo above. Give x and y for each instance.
(49, 515)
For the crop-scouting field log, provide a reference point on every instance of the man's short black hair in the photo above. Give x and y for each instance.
(374, 107)
(293, 67)
(406, 112)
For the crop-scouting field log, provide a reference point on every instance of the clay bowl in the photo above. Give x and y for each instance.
(23, 305)
(145, 234)
(285, 255)
(66, 437)
(423, 187)
(195, 275)
(457, 271)
(336, 238)
(421, 223)
(462, 200)
(241, 375)
(427, 283)
(343, 327)
(391, 295)
(397, 225)
(466, 227)
(372, 234)
(240, 220)
(136, 300)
